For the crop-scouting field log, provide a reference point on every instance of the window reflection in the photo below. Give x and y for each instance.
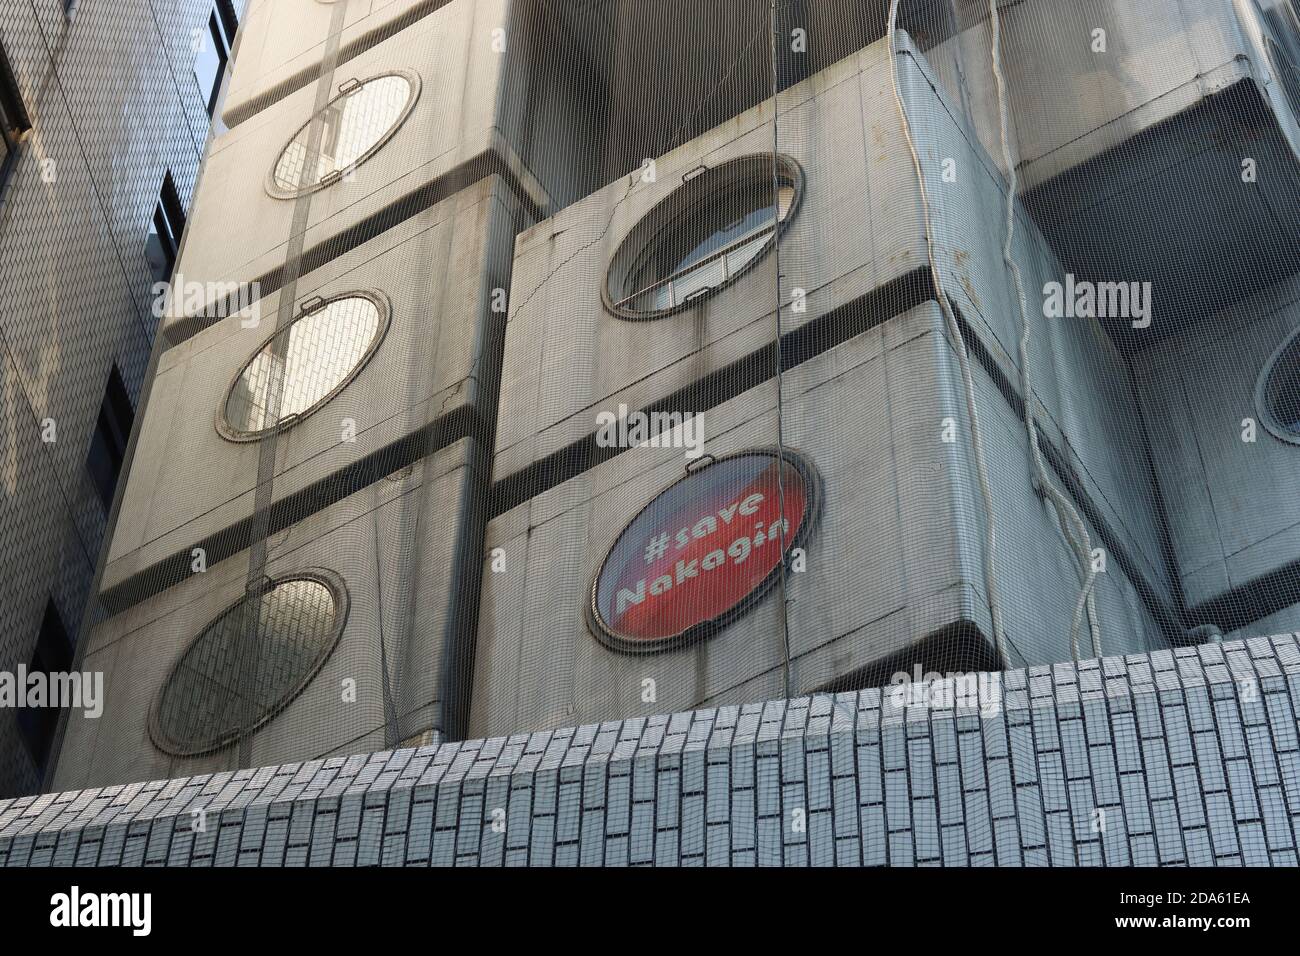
(709, 245)
(303, 364)
(247, 665)
(351, 126)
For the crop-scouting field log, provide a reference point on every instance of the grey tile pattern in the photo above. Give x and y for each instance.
(1183, 757)
(75, 283)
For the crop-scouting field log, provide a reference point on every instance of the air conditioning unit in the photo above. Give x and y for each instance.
(404, 124)
(336, 646)
(389, 351)
(651, 581)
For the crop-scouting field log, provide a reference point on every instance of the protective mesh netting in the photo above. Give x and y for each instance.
(609, 359)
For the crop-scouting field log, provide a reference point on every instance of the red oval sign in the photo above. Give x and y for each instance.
(702, 551)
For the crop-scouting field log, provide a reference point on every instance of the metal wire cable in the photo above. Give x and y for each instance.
(780, 446)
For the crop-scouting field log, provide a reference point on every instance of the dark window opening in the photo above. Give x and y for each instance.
(14, 122)
(165, 230)
(108, 443)
(38, 725)
(213, 51)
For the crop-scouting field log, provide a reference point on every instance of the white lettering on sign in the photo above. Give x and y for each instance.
(738, 550)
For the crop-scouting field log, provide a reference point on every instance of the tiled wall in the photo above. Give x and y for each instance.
(1190, 756)
(113, 104)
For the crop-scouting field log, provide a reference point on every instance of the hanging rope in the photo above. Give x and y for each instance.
(963, 356)
(1076, 532)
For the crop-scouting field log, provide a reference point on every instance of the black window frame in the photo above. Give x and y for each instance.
(168, 223)
(53, 654)
(222, 25)
(14, 120)
(110, 437)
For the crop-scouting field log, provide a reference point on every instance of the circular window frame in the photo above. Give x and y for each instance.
(666, 214)
(1275, 427)
(704, 630)
(375, 297)
(342, 608)
(276, 191)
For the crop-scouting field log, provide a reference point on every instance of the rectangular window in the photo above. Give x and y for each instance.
(13, 119)
(213, 45)
(108, 443)
(53, 655)
(165, 229)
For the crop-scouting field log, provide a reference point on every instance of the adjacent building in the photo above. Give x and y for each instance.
(104, 116)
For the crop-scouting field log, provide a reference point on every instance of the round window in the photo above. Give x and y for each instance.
(249, 663)
(703, 551)
(1278, 393)
(304, 365)
(703, 236)
(348, 131)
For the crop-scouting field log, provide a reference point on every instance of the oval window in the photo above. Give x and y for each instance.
(703, 551)
(1278, 392)
(249, 663)
(703, 236)
(352, 126)
(303, 365)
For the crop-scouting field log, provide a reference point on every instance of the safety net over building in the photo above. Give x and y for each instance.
(533, 364)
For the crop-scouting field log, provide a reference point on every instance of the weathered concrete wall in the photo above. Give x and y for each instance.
(438, 271)
(283, 43)
(1188, 98)
(858, 227)
(1174, 758)
(397, 545)
(1287, 617)
(894, 569)
(568, 359)
(1233, 505)
(1078, 94)
(476, 114)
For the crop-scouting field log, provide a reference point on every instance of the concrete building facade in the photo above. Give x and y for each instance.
(525, 369)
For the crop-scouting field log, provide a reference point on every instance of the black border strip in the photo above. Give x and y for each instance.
(412, 204)
(821, 334)
(464, 422)
(1267, 594)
